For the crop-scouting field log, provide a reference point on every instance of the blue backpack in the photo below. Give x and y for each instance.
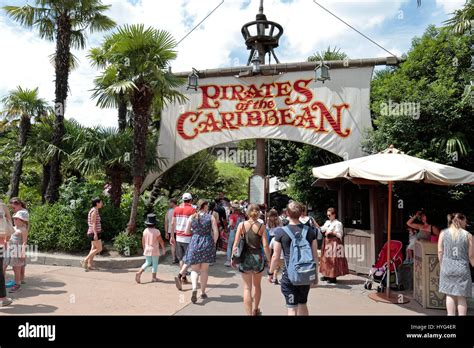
(301, 268)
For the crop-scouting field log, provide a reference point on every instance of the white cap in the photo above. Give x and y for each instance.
(187, 197)
(22, 215)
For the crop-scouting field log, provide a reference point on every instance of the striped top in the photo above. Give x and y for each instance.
(182, 214)
(98, 226)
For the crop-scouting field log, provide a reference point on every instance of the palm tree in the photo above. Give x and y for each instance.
(328, 54)
(461, 22)
(137, 66)
(22, 105)
(103, 150)
(66, 22)
(98, 59)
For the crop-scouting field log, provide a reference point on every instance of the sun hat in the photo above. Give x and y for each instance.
(22, 215)
(187, 197)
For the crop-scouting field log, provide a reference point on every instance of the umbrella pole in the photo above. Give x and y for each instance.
(389, 234)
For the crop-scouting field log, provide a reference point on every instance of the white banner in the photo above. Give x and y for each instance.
(292, 106)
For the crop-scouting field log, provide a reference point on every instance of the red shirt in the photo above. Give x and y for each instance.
(181, 215)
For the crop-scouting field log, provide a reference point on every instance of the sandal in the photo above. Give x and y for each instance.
(137, 277)
(156, 280)
(257, 312)
(14, 288)
(6, 302)
(203, 296)
(83, 264)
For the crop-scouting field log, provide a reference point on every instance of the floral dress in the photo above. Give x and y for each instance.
(201, 249)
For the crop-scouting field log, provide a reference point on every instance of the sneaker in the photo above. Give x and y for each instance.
(14, 289)
(6, 302)
(178, 282)
(324, 279)
(203, 296)
(332, 281)
(194, 296)
(227, 264)
(10, 284)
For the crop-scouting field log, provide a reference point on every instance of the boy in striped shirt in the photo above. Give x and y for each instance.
(179, 237)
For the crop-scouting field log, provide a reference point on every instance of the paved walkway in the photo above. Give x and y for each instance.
(63, 290)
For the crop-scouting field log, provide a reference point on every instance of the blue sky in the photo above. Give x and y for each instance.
(218, 42)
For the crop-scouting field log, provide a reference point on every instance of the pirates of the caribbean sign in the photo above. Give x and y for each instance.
(292, 106)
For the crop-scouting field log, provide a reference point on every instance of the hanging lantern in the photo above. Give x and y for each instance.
(193, 80)
(321, 73)
(256, 63)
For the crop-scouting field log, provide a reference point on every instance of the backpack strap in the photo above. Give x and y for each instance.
(288, 232)
(305, 232)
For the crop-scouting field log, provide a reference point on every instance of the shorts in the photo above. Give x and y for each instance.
(181, 249)
(294, 294)
(90, 236)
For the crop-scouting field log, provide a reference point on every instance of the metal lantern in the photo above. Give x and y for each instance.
(256, 63)
(193, 80)
(321, 73)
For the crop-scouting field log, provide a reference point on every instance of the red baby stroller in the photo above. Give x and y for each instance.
(378, 273)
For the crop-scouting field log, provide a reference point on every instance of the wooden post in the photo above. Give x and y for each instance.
(389, 232)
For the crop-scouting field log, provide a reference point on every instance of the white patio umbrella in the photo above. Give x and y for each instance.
(393, 165)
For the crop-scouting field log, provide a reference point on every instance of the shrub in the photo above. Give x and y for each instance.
(126, 244)
(53, 227)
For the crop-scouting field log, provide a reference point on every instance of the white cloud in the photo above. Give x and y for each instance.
(217, 43)
(449, 6)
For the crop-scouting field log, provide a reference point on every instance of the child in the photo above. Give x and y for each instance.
(281, 263)
(151, 241)
(17, 248)
(411, 245)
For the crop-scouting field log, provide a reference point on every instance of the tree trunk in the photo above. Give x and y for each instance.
(132, 223)
(155, 192)
(25, 126)
(115, 174)
(122, 113)
(141, 104)
(61, 66)
(44, 184)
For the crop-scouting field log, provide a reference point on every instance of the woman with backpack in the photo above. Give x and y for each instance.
(252, 262)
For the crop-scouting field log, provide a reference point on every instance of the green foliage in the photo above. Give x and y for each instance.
(160, 209)
(54, 228)
(434, 76)
(127, 244)
(328, 54)
(301, 179)
(197, 172)
(233, 180)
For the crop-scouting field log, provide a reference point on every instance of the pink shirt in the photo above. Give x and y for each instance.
(98, 226)
(151, 242)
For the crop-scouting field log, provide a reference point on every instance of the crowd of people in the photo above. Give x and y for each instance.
(285, 243)
(197, 231)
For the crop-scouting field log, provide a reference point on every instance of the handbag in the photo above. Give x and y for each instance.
(237, 255)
